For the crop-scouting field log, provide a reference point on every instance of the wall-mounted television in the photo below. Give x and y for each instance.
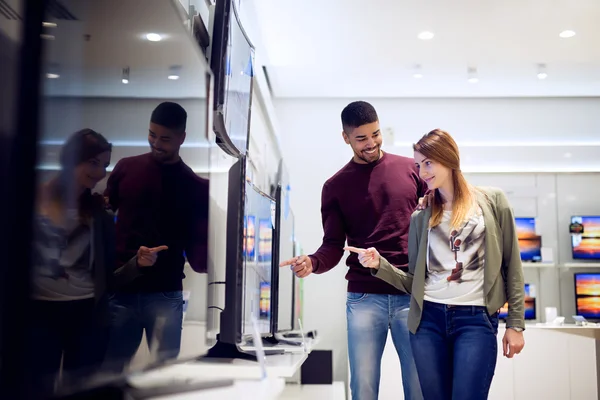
(530, 244)
(530, 306)
(587, 294)
(586, 242)
(232, 62)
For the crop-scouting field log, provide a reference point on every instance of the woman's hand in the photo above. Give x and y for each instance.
(368, 258)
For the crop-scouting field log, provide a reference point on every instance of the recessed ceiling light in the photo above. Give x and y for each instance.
(173, 77)
(567, 34)
(472, 76)
(417, 76)
(52, 76)
(153, 37)
(49, 25)
(125, 81)
(426, 35)
(542, 75)
(47, 37)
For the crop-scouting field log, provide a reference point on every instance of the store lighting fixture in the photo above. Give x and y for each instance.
(426, 35)
(542, 74)
(472, 75)
(125, 76)
(418, 74)
(153, 37)
(174, 72)
(567, 34)
(52, 71)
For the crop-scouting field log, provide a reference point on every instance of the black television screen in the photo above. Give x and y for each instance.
(232, 61)
(586, 242)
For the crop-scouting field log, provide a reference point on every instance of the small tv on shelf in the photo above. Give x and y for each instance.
(587, 294)
(530, 244)
(586, 242)
(530, 308)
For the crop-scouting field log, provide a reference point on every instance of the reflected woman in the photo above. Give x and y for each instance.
(73, 261)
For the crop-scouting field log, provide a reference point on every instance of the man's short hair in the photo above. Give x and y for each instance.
(356, 114)
(170, 115)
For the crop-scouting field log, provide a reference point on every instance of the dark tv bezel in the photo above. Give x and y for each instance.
(571, 239)
(575, 275)
(218, 63)
(231, 317)
(274, 326)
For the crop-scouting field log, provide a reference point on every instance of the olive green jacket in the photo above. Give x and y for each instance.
(503, 272)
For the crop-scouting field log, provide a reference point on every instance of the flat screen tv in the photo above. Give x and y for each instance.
(587, 295)
(530, 244)
(586, 242)
(530, 306)
(232, 62)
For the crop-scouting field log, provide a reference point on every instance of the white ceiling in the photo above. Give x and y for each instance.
(351, 48)
(116, 32)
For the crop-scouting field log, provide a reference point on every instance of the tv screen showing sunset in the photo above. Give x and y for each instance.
(586, 245)
(587, 294)
(530, 244)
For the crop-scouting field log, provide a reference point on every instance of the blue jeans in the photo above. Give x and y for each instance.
(159, 314)
(455, 350)
(369, 318)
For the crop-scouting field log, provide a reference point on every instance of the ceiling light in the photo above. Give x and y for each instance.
(52, 71)
(153, 37)
(46, 36)
(472, 75)
(174, 72)
(426, 35)
(567, 34)
(542, 74)
(49, 25)
(417, 73)
(125, 76)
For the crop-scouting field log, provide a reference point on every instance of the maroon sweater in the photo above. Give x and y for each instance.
(368, 205)
(159, 204)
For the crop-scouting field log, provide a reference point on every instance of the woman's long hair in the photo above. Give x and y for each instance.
(439, 146)
(80, 147)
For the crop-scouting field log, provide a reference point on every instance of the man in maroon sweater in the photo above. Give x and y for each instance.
(368, 203)
(163, 220)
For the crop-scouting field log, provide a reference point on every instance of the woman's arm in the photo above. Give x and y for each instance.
(394, 276)
(511, 261)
